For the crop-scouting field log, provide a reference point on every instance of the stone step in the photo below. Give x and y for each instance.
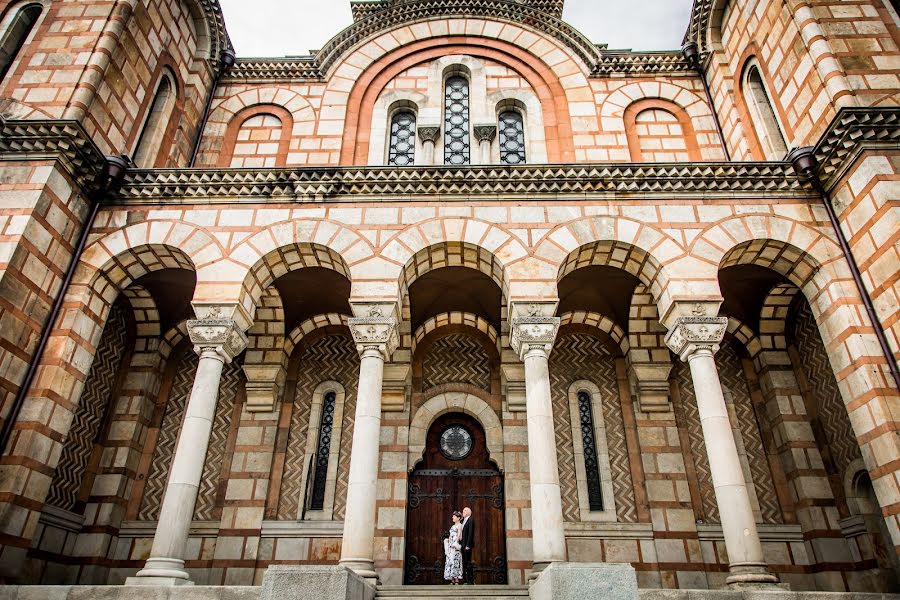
(447, 592)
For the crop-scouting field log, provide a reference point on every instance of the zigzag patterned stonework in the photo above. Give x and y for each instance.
(95, 401)
(731, 373)
(734, 385)
(232, 380)
(456, 358)
(584, 357)
(831, 410)
(331, 358)
(182, 382)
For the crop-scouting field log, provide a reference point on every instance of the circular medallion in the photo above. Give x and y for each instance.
(456, 442)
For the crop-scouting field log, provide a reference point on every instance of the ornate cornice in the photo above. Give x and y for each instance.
(696, 334)
(641, 63)
(852, 131)
(218, 33)
(66, 141)
(462, 183)
(701, 12)
(393, 13)
(301, 69)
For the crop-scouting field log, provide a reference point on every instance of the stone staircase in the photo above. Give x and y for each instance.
(451, 592)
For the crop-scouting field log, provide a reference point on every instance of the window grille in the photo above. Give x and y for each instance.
(456, 122)
(591, 464)
(512, 138)
(323, 453)
(402, 150)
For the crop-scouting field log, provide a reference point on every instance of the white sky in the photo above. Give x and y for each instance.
(294, 27)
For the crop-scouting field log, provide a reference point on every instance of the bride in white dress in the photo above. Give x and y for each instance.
(453, 567)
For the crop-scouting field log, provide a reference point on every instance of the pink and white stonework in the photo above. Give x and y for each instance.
(653, 324)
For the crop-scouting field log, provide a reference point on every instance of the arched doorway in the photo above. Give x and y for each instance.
(455, 471)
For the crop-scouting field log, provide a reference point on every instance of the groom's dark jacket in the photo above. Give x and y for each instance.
(468, 534)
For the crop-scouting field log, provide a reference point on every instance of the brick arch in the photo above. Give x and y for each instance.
(615, 105)
(144, 312)
(600, 322)
(455, 318)
(446, 402)
(283, 247)
(452, 254)
(293, 339)
(637, 107)
(378, 72)
(241, 117)
(216, 135)
(744, 334)
(774, 314)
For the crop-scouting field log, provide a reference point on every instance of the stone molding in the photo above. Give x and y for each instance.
(692, 334)
(459, 184)
(252, 70)
(224, 336)
(263, 386)
(701, 13)
(849, 133)
(386, 16)
(641, 63)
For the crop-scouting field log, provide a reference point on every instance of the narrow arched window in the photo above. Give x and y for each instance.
(456, 121)
(512, 138)
(154, 132)
(591, 463)
(765, 122)
(16, 35)
(402, 151)
(323, 453)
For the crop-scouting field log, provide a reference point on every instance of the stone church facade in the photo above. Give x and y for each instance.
(461, 255)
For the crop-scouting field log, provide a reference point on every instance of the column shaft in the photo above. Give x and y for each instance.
(548, 536)
(745, 554)
(167, 553)
(358, 545)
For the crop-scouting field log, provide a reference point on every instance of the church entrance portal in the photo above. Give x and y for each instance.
(455, 472)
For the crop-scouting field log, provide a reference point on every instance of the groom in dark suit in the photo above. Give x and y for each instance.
(467, 543)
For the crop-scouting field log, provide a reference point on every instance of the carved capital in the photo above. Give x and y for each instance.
(530, 334)
(485, 133)
(375, 326)
(693, 334)
(429, 133)
(222, 336)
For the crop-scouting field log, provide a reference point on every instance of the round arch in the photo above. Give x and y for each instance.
(455, 402)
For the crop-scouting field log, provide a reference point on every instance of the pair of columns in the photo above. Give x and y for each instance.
(484, 134)
(695, 340)
(219, 339)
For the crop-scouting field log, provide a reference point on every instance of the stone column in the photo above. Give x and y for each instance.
(696, 340)
(217, 341)
(533, 332)
(485, 135)
(376, 335)
(429, 135)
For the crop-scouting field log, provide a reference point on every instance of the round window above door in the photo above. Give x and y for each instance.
(456, 442)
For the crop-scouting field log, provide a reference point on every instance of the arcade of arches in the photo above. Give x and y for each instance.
(626, 424)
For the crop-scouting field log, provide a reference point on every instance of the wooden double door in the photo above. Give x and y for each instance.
(455, 472)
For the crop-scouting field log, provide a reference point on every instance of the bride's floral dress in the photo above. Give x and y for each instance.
(453, 567)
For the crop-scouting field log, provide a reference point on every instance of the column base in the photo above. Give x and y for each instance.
(576, 581)
(314, 582)
(363, 568)
(167, 572)
(752, 577)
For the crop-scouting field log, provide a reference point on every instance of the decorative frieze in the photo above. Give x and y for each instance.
(693, 334)
(852, 131)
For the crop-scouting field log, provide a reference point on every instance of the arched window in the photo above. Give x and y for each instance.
(402, 150)
(323, 453)
(157, 122)
(765, 122)
(512, 138)
(457, 139)
(589, 441)
(17, 34)
(258, 142)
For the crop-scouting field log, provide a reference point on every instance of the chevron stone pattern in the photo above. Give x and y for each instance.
(576, 357)
(456, 358)
(735, 385)
(330, 358)
(89, 416)
(832, 412)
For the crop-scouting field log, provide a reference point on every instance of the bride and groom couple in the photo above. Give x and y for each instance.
(458, 548)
